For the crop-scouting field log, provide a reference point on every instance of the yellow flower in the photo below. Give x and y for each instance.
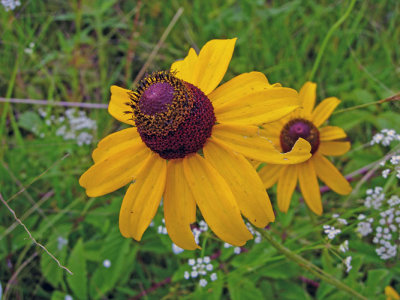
(177, 115)
(305, 123)
(391, 294)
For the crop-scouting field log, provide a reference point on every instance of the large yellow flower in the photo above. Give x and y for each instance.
(391, 293)
(305, 123)
(188, 146)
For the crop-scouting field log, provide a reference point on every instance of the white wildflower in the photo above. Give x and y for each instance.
(107, 263)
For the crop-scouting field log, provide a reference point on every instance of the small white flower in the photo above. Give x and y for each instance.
(203, 282)
(347, 262)
(68, 297)
(191, 262)
(331, 231)
(107, 263)
(186, 275)
(237, 250)
(385, 173)
(176, 249)
(206, 259)
(194, 274)
(344, 247)
(209, 267)
(213, 276)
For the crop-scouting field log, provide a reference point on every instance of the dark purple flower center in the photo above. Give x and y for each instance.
(156, 98)
(173, 117)
(299, 128)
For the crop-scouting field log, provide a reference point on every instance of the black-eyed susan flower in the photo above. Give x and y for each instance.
(305, 123)
(188, 145)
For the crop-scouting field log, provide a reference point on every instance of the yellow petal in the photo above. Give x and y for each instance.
(309, 186)
(247, 141)
(334, 148)
(215, 201)
(308, 95)
(239, 87)
(247, 187)
(143, 197)
(272, 129)
(119, 105)
(269, 174)
(324, 110)
(183, 69)
(286, 184)
(116, 142)
(115, 171)
(260, 107)
(212, 64)
(329, 133)
(391, 293)
(328, 173)
(179, 206)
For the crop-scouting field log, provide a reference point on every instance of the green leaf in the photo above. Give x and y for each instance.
(241, 288)
(30, 121)
(77, 264)
(376, 281)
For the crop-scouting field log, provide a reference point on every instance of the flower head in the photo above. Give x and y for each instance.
(188, 145)
(306, 123)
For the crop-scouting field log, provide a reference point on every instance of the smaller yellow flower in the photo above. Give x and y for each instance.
(391, 294)
(305, 123)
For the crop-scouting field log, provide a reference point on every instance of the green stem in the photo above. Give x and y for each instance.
(309, 266)
(327, 37)
(390, 99)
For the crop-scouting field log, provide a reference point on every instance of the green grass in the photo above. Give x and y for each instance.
(83, 47)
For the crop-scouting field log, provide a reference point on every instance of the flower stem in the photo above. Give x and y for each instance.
(309, 266)
(327, 37)
(389, 99)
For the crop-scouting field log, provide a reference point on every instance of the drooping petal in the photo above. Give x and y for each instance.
(242, 178)
(308, 95)
(329, 133)
(115, 171)
(118, 105)
(212, 64)
(239, 87)
(143, 197)
(328, 173)
(334, 148)
(247, 141)
(269, 174)
(309, 186)
(215, 200)
(183, 69)
(179, 206)
(116, 142)
(286, 184)
(324, 110)
(259, 108)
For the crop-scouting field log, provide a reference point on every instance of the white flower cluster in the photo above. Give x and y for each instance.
(340, 220)
(375, 197)
(29, 49)
(365, 226)
(344, 247)
(200, 267)
(385, 137)
(74, 126)
(10, 4)
(393, 165)
(331, 231)
(386, 233)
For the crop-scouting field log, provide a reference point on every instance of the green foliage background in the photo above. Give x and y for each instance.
(82, 47)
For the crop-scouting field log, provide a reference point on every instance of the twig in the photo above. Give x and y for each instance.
(158, 46)
(16, 273)
(32, 238)
(53, 103)
(46, 197)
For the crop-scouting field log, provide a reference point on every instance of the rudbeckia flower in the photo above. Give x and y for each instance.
(305, 123)
(187, 146)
